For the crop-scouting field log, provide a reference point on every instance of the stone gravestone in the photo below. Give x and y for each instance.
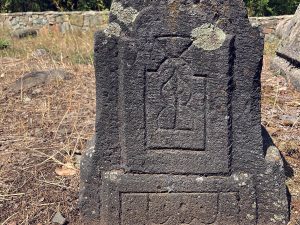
(178, 131)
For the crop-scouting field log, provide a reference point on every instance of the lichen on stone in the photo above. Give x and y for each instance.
(113, 29)
(208, 37)
(113, 175)
(278, 218)
(273, 155)
(127, 15)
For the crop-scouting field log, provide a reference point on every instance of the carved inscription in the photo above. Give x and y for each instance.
(177, 93)
(178, 208)
(182, 113)
(175, 103)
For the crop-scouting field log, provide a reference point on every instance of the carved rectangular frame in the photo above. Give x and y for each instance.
(115, 185)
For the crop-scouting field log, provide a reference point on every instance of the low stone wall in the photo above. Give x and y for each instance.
(65, 21)
(268, 24)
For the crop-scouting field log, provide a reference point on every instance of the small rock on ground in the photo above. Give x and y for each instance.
(40, 52)
(24, 33)
(59, 219)
(33, 79)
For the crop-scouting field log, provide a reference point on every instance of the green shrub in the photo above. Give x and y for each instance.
(271, 7)
(4, 44)
(255, 7)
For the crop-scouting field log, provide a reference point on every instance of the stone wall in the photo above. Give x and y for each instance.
(63, 21)
(268, 24)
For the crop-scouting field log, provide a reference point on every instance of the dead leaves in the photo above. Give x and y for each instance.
(13, 223)
(66, 170)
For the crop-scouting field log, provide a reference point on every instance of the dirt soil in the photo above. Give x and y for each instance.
(281, 117)
(45, 129)
(42, 132)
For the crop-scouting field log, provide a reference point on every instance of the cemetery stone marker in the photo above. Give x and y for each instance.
(178, 131)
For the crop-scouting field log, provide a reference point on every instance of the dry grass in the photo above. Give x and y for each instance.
(271, 45)
(279, 103)
(45, 127)
(73, 47)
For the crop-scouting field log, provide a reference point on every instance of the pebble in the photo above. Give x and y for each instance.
(59, 219)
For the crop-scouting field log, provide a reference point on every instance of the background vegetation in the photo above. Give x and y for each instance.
(255, 7)
(271, 7)
(55, 5)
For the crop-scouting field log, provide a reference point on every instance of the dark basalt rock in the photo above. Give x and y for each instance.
(178, 131)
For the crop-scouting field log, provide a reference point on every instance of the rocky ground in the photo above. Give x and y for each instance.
(45, 128)
(43, 131)
(281, 117)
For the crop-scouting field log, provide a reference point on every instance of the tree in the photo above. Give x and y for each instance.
(25, 5)
(56, 5)
(255, 7)
(271, 7)
(93, 4)
(81, 5)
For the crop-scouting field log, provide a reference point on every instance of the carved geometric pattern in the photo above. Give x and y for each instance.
(175, 104)
(177, 200)
(178, 208)
(179, 121)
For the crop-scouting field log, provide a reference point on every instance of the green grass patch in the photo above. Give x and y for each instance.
(4, 43)
(71, 47)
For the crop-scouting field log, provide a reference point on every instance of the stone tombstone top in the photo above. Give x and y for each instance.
(178, 132)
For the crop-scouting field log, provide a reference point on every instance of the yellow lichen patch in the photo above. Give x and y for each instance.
(113, 29)
(208, 37)
(127, 15)
(273, 155)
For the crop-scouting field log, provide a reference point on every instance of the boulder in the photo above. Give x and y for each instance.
(24, 33)
(36, 78)
(287, 60)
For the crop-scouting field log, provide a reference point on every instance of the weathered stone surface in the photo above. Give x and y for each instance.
(36, 78)
(178, 131)
(287, 60)
(25, 33)
(65, 21)
(98, 19)
(287, 68)
(269, 24)
(59, 219)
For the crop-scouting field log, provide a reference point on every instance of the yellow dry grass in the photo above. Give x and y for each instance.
(280, 101)
(45, 127)
(74, 47)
